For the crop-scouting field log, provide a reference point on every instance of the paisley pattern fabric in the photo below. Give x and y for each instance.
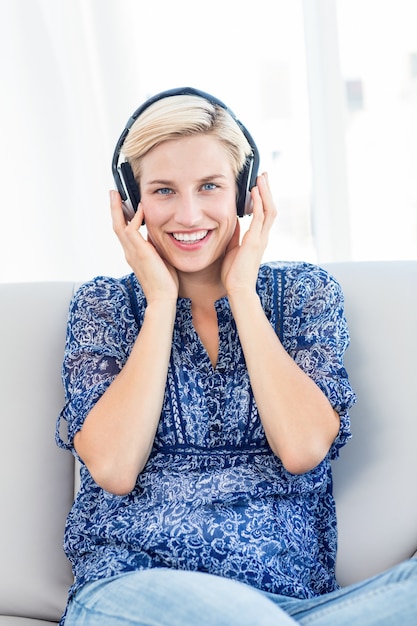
(212, 496)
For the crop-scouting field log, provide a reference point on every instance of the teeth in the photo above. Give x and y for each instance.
(190, 237)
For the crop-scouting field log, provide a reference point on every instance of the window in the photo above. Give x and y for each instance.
(379, 64)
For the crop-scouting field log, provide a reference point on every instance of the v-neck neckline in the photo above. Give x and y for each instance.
(191, 344)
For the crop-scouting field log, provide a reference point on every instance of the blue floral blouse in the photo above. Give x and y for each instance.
(212, 497)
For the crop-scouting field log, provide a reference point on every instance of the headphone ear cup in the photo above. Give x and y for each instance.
(242, 191)
(130, 185)
(246, 180)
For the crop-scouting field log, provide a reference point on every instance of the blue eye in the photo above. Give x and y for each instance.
(164, 191)
(209, 186)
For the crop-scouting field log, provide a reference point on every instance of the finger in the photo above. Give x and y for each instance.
(268, 205)
(137, 219)
(266, 194)
(264, 212)
(116, 208)
(257, 211)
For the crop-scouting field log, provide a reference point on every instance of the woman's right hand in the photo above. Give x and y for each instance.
(158, 279)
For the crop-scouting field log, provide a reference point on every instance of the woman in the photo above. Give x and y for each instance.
(206, 395)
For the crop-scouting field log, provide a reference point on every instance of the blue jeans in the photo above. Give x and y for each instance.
(165, 597)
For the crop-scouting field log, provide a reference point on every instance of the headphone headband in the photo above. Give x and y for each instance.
(123, 175)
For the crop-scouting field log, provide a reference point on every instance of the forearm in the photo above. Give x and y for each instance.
(117, 436)
(299, 421)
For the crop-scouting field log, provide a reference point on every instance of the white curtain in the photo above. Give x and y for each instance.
(63, 99)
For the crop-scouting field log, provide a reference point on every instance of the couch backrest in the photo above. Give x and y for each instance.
(375, 476)
(36, 486)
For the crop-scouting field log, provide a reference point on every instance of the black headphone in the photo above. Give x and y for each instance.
(122, 172)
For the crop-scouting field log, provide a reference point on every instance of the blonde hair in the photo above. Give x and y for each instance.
(177, 116)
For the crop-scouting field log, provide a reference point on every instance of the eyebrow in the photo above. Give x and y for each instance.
(167, 183)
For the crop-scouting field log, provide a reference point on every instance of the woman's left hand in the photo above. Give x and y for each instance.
(242, 260)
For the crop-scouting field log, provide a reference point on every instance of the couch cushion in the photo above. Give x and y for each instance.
(375, 477)
(36, 488)
(5, 620)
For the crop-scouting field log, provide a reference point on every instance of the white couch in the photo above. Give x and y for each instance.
(375, 477)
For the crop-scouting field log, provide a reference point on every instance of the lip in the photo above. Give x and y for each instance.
(190, 245)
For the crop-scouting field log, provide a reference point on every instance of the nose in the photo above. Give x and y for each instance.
(187, 210)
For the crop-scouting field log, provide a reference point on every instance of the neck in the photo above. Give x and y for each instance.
(201, 287)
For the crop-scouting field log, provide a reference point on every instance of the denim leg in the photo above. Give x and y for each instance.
(388, 599)
(166, 597)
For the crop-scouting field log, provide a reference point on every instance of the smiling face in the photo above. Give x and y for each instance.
(188, 194)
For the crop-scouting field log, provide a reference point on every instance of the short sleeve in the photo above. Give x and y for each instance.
(316, 336)
(100, 332)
